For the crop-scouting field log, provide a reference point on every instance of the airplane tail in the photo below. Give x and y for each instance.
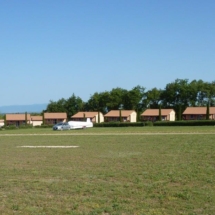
(88, 120)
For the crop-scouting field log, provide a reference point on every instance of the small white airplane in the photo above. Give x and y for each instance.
(80, 124)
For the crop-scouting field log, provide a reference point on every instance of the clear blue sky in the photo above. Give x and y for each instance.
(51, 49)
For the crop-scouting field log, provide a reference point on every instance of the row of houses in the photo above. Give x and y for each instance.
(191, 113)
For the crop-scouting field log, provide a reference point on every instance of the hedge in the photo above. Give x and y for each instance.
(158, 123)
(43, 126)
(119, 124)
(25, 126)
(185, 123)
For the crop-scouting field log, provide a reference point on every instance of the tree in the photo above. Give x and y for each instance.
(120, 115)
(5, 120)
(133, 99)
(208, 111)
(73, 105)
(179, 113)
(116, 98)
(58, 106)
(26, 118)
(152, 98)
(176, 95)
(43, 119)
(97, 102)
(160, 117)
(98, 117)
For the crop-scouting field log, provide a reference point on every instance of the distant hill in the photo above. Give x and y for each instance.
(35, 108)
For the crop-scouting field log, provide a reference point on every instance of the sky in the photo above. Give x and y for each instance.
(51, 49)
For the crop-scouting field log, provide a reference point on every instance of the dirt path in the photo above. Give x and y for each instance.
(106, 134)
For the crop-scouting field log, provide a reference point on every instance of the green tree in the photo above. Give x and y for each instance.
(98, 117)
(120, 115)
(1, 116)
(160, 117)
(176, 94)
(73, 105)
(179, 112)
(133, 100)
(58, 106)
(26, 118)
(98, 102)
(43, 118)
(116, 98)
(152, 98)
(208, 111)
(5, 120)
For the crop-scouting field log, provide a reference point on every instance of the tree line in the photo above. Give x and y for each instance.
(176, 95)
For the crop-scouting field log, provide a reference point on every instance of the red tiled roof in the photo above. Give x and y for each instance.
(155, 112)
(115, 113)
(36, 118)
(198, 110)
(87, 115)
(55, 115)
(17, 117)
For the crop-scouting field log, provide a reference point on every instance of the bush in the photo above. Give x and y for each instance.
(25, 126)
(148, 123)
(119, 124)
(185, 123)
(43, 126)
(11, 127)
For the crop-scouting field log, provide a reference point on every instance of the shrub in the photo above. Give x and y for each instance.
(148, 123)
(43, 126)
(185, 123)
(25, 126)
(119, 124)
(11, 127)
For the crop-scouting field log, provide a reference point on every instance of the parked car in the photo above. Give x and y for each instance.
(61, 126)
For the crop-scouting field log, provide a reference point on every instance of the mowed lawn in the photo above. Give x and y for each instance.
(149, 174)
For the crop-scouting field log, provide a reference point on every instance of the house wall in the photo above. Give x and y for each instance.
(36, 123)
(93, 119)
(133, 117)
(194, 117)
(1, 123)
(79, 119)
(167, 118)
(198, 117)
(101, 118)
(53, 121)
(171, 116)
(117, 119)
(112, 119)
(149, 118)
(17, 122)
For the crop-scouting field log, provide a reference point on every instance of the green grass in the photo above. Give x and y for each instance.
(108, 174)
(146, 129)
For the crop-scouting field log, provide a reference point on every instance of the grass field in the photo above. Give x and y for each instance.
(149, 171)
